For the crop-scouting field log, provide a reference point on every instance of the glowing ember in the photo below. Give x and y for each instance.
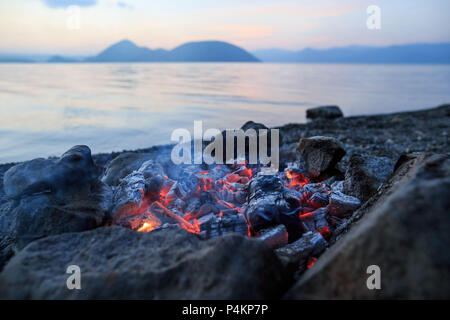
(203, 200)
(311, 262)
(296, 179)
(149, 226)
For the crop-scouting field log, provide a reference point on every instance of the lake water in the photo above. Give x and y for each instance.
(48, 108)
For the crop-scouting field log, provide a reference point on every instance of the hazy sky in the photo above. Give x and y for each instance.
(40, 26)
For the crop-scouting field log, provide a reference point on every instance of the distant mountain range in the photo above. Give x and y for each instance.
(410, 53)
(218, 51)
(203, 51)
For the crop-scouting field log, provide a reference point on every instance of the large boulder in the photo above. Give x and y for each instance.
(73, 169)
(49, 197)
(325, 112)
(320, 154)
(405, 233)
(117, 263)
(365, 174)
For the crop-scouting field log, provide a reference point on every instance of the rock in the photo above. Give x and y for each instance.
(6, 250)
(325, 112)
(38, 216)
(253, 125)
(341, 204)
(49, 197)
(405, 234)
(74, 169)
(320, 154)
(275, 237)
(270, 204)
(117, 263)
(365, 174)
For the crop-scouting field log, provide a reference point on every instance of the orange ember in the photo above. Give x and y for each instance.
(296, 179)
(311, 262)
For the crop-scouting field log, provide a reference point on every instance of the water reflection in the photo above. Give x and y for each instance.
(47, 108)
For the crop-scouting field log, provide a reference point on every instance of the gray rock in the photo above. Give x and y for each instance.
(38, 216)
(365, 174)
(74, 169)
(320, 154)
(49, 197)
(325, 112)
(341, 204)
(6, 250)
(405, 234)
(117, 263)
(253, 125)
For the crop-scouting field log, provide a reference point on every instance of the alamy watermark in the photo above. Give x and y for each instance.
(374, 280)
(73, 21)
(373, 21)
(74, 280)
(234, 140)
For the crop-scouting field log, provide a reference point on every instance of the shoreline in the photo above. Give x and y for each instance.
(358, 133)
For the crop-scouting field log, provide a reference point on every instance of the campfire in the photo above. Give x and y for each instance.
(286, 210)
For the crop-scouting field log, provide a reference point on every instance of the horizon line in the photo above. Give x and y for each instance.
(83, 55)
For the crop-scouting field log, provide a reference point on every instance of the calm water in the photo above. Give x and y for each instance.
(47, 108)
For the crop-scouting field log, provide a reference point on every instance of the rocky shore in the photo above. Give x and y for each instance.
(384, 186)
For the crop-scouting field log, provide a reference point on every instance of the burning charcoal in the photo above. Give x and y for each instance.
(295, 178)
(130, 192)
(205, 209)
(341, 204)
(319, 199)
(338, 186)
(153, 187)
(316, 221)
(240, 197)
(335, 221)
(297, 253)
(168, 216)
(275, 237)
(180, 204)
(312, 188)
(217, 227)
(229, 212)
(271, 204)
(306, 208)
(193, 205)
(207, 219)
(188, 184)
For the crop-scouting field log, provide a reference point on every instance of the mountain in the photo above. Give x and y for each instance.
(127, 51)
(411, 53)
(203, 51)
(60, 59)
